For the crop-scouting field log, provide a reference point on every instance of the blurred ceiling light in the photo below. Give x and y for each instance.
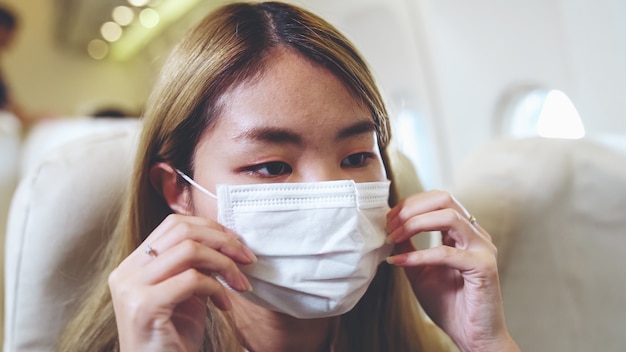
(98, 49)
(149, 18)
(138, 3)
(123, 15)
(111, 31)
(137, 37)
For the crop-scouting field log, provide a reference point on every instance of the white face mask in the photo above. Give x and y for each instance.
(318, 244)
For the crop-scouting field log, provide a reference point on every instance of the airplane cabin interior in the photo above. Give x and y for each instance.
(517, 108)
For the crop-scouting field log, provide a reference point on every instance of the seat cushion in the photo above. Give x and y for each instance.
(10, 145)
(557, 212)
(64, 209)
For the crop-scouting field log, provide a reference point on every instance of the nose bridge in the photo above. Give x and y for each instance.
(319, 169)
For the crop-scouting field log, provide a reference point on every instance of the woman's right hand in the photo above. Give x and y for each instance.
(160, 297)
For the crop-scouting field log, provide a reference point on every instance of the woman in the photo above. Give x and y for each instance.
(259, 107)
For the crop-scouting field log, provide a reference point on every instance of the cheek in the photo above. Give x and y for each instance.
(379, 167)
(381, 173)
(203, 206)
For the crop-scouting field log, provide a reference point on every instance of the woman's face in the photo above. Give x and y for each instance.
(294, 123)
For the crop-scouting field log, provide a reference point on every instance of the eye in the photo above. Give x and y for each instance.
(357, 160)
(270, 169)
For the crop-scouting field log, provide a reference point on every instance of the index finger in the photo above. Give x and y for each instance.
(421, 203)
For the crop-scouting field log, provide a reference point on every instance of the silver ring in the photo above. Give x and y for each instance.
(472, 219)
(150, 251)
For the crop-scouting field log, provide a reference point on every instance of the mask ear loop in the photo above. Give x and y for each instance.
(357, 195)
(195, 184)
(218, 277)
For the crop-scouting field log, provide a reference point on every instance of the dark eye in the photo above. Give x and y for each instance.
(357, 160)
(276, 168)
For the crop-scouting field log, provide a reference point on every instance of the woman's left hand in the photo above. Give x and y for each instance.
(456, 283)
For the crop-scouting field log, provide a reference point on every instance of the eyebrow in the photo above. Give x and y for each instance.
(279, 135)
(270, 135)
(361, 127)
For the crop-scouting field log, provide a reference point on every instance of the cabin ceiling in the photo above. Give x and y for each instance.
(78, 21)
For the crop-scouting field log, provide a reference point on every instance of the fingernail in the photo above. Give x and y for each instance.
(389, 240)
(388, 226)
(397, 259)
(251, 255)
(245, 284)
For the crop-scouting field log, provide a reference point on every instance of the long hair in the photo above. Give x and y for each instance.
(231, 46)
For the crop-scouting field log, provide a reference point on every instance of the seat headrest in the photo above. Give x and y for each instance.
(550, 174)
(64, 209)
(555, 209)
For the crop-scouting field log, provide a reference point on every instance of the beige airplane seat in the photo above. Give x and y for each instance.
(63, 209)
(10, 142)
(47, 135)
(557, 212)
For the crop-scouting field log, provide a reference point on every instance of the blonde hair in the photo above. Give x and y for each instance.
(230, 46)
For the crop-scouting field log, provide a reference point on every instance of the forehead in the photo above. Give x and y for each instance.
(291, 92)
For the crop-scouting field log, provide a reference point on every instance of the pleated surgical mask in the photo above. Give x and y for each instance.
(318, 244)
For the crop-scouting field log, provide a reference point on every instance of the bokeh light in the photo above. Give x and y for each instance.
(149, 18)
(98, 49)
(123, 15)
(111, 31)
(138, 3)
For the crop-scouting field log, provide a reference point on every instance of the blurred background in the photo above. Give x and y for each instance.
(455, 73)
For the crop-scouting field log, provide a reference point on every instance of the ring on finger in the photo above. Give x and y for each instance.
(149, 251)
(472, 219)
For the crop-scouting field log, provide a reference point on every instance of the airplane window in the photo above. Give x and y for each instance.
(414, 137)
(547, 113)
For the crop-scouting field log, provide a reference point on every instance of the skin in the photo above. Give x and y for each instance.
(295, 123)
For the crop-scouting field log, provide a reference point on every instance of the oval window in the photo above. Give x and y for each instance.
(548, 113)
